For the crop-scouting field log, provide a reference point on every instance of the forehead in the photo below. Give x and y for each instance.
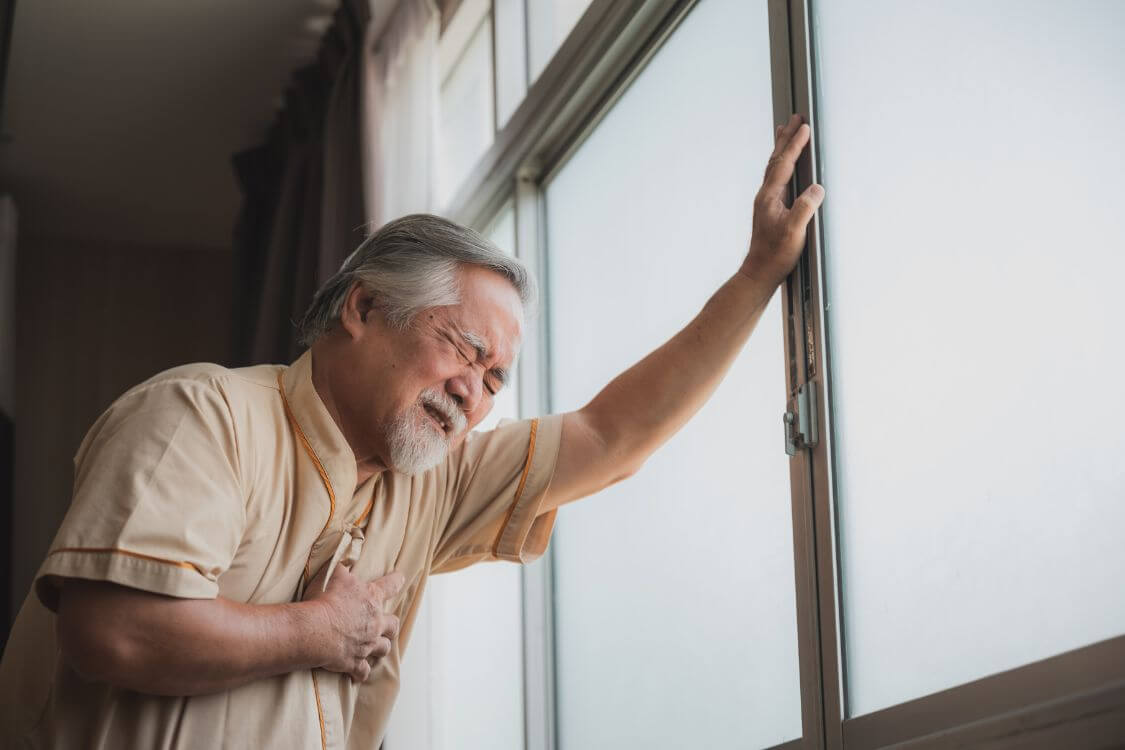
(490, 313)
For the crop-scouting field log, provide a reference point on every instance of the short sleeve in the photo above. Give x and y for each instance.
(157, 501)
(497, 483)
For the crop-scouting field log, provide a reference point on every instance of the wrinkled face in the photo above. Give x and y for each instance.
(408, 396)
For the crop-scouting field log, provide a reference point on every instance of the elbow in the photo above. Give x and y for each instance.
(89, 643)
(95, 657)
(623, 455)
(627, 468)
(594, 453)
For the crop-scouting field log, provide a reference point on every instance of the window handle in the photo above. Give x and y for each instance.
(800, 421)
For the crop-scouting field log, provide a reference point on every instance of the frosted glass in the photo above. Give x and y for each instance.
(674, 595)
(511, 63)
(974, 238)
(478, 646)
(465, 126)
(502, 229)
(477, 624)
(549, 24)
(505, 405)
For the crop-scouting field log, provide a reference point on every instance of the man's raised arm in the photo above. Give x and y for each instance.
(610, 438)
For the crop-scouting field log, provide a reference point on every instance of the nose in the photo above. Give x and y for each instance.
(466, 391)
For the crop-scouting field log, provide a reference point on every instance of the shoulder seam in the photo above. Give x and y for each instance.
(232, 375)
(204, 380)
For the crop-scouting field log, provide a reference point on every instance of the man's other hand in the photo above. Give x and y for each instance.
(359, 632)
(779, 231)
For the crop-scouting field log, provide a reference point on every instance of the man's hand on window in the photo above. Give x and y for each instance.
(778, 236)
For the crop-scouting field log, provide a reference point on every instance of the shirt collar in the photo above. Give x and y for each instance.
(327, 443)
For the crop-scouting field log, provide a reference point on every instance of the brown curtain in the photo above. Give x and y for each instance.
(302, 211)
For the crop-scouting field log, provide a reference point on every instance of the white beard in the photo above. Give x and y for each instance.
(414, 447)
(415, 444)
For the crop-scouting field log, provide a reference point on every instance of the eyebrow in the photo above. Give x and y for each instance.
(479, 345)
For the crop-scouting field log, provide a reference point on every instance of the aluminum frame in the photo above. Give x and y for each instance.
(805, 300)
(536, 136)
(602, 47)
(1074, 700)
(783, 48)
(533, 384)
(538, 578)
(543, 169)
(608, 48)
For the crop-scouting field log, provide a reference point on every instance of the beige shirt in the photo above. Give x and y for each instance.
(205, 482)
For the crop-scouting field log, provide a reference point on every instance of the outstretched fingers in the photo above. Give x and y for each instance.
(779, 169)
(782, 134)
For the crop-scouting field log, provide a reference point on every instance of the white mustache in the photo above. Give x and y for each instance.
(444, 404)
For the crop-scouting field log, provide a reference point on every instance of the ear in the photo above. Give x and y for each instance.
(357, 311)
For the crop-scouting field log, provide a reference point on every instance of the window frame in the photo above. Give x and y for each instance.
(1075, 699)
(538, 577)
(458, 33)
(609, 46)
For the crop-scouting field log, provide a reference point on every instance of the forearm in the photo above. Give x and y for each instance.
(168, 646)
(648, 403)
(612, 436)
(609, 438)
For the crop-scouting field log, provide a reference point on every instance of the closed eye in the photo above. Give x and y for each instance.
(500, 376)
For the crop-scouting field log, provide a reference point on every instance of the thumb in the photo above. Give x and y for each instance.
(805, 206)
(387, 586)
(316, 584)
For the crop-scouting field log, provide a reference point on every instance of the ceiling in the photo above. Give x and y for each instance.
(123, 114)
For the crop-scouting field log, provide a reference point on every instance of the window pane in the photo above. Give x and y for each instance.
(511, 64)
(502, 231)
(466, 123)
(478, 623)
(675, 605)
(974, 257)
(478, 648)
(549, 23)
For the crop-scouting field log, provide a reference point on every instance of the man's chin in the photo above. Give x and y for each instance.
(416, 443)
(411, 465)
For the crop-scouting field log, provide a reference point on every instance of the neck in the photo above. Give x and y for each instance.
(367, 464)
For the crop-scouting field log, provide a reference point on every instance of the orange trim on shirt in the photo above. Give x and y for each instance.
(320, 713)
(138, 555)
(519, 488)
(366, 511)
(308, 562)
(316, 462)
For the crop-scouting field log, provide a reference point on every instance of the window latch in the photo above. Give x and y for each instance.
(800, 421)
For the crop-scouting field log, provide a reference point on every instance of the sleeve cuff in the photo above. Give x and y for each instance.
(525, 534)
(132, 569)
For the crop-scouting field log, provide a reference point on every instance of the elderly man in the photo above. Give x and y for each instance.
(246, 549)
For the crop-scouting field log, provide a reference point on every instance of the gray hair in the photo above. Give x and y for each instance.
(409, 265)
